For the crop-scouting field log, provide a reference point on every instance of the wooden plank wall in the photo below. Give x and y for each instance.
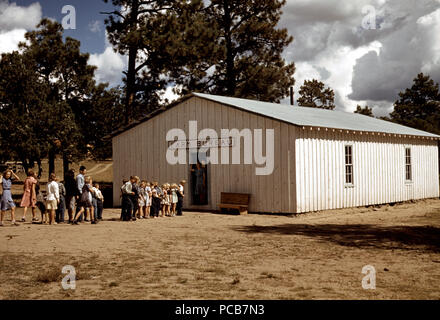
(379, 169)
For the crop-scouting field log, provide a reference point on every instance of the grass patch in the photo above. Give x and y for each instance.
(49, 276)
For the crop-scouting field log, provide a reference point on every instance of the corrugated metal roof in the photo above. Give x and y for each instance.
(315, 117)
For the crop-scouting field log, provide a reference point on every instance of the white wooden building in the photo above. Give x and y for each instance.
(322, 159)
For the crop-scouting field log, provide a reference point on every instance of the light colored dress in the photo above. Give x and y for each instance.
(147, 196)
(174, 198)
(6, 202)
(142, 198)
(166, 199)
(29, 200)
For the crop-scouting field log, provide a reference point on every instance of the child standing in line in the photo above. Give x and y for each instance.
(127, 204)
(165, 203)
(180, 196)
(86, 204)
(123, 196)
(135, 198)
(169, 199)
(142, 200)
(29, 199)
(53, 197)
(148, 197)
(155, 205)
(174, 199)
(7, 203)
(99, 201)
(41, 204)
(62, 205)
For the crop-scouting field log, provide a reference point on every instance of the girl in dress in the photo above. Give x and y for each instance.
(7, 203)
(169, 198)
(85, 202)
(29, 199)
(174, 199)
(148, 194)
(165, 203)
(142, 201)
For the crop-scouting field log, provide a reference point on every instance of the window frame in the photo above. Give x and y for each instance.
(348, 165)
(408, 165)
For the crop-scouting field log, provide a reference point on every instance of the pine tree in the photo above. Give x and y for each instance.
(21, 100)
(419, 106)
(367, 111)
(63, 69)
(239, 51)
(313, 94)
(49, 95)
(136, 31)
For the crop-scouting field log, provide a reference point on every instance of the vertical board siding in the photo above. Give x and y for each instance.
(378, 164)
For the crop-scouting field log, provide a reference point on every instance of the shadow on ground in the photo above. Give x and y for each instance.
(426, 238)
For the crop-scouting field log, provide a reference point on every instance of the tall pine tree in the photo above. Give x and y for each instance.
(241, 51)
(419, 106)
(135, 29)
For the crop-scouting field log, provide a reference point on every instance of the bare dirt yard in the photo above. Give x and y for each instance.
(211, 256)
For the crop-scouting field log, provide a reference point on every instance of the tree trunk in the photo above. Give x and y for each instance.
(40, 170)
(51, 161)
(230, 76)
(66, 164)
(131, 72)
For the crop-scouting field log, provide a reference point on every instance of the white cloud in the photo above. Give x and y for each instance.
(14, 22)
(9, 40)
(110, 66)
(363, 66)
(17, 17)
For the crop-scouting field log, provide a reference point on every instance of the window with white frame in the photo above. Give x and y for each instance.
(408, 165)
(349, 165)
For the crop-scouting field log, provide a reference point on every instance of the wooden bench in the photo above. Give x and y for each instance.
(237, 201)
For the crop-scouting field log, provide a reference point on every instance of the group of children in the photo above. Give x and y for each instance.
(142, 200)
(83, 199)
(86, 197)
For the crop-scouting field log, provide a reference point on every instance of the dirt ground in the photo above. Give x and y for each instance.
(211, 256)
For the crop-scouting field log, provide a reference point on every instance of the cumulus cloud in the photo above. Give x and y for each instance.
(110, 66)
(364, 66)
(9, 40)
(18, 17)
(14, 22)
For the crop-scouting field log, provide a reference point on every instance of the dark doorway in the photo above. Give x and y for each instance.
(199, 184)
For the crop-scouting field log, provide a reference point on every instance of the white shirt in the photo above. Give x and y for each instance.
(53, 191)
(98, 193)
(127, 188)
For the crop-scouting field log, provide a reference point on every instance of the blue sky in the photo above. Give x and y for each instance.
(87, 15)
